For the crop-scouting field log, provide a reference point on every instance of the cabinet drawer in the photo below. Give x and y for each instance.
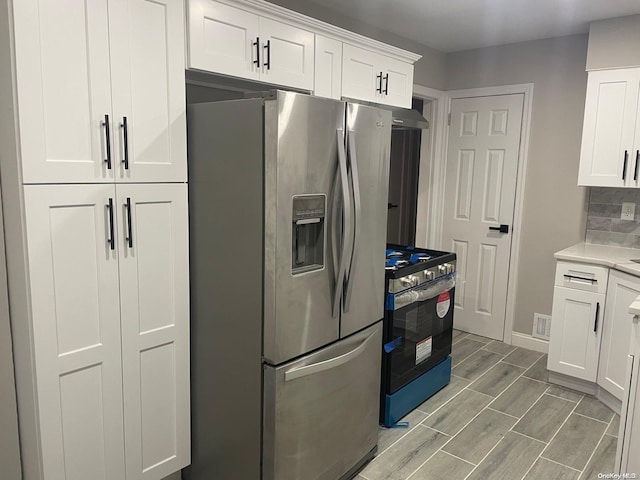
(582, 276)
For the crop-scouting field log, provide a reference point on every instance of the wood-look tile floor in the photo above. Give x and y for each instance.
(499, 419)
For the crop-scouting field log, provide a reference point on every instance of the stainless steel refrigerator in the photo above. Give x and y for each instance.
(288, 208)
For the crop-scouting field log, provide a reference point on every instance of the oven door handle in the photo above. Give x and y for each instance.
(416, 295)
(324, 365)
(357, 204)
(347, 222)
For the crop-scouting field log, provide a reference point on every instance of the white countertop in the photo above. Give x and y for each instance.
(612, 257)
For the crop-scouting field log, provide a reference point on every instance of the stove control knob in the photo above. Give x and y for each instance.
(429, 275)
(442, 269)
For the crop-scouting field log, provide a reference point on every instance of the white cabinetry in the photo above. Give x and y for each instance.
(576, 327)
(627, 458)
(98, 254)
(370, 76)
(233, 41)
(610, 154)
(328, 68)
(83, 68)
(622, 291)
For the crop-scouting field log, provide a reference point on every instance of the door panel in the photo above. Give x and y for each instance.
(328, 68)
(575, 346)
(154, 288)
(290, 55)
(482, 166)
(369, 132)
(309, 403)
(147, 58)
(609, 121)
(76, 330)
(359, 70)
(64, 89)
(301, 159)
(221, 39)
(616, 331)
(399, 83)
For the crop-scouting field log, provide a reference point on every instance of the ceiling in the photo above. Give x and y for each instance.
(453, 25)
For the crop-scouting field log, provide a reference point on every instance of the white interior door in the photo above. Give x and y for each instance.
(147, 58)
(73, 271)
(482, 165)
(154, 292)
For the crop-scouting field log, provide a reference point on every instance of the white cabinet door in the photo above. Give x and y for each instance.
(616, 330)
(147, 71)
(73, 271)
(575, 333)
(287, 55)
(361, 75)
(607, 158)
(397, 86)
(223, 39)
(64, 91)
(328, 68)
(154, 291)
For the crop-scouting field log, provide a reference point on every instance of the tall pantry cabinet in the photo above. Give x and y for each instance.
(93, 169)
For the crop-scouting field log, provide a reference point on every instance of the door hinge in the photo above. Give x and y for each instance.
(449, 120)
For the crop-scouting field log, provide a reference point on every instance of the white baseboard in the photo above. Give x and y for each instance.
(527, 341)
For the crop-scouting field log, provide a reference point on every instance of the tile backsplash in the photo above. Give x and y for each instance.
(604, 225)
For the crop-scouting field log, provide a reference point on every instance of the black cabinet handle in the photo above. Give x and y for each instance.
(502, 228)
(595, 326)
(257, 45)
(107, 139)
(379, 81)
(386, 84)
(624, 167)
(111, 238)
(582, 279)
(635, 172)
(125, 136)
(267, 47)
(391, 205)
(129, 239)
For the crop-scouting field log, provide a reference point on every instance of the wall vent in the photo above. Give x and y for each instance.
(541, 326)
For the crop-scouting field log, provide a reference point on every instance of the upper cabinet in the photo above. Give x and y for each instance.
(101, 90)
(233, 41)
(370, 76)
(610, 155)
(259, 41)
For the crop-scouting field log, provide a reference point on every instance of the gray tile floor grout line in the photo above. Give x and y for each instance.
(503, 413)
(530, 438)
(561, 398)
(447, 442)
(436, 430)
(405, 434)
(535, 379)
(553, 437)
(514, 365)
(561, 464)
(459, 458)
(591, 418)
(597, 445)
(484, 458)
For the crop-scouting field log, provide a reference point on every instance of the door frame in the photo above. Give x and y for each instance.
(438, 183)
(430, 208)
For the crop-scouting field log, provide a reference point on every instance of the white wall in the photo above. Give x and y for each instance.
(614, 42)
(554, 206)
(429, 70)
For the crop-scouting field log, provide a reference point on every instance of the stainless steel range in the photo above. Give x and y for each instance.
(418, 328)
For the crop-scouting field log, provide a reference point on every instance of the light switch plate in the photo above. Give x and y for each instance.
(628, 211)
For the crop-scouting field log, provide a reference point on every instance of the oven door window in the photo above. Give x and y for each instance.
(421, 333)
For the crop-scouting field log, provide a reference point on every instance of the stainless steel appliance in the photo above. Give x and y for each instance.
(288, 199)
(418, 328)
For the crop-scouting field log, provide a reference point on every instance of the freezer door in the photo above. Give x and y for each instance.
(321, 412)
(301, 168)
(368, 147)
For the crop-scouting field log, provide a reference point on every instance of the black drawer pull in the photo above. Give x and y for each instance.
(635, 172)
(585, 279)
(624, 167)
(595, 327)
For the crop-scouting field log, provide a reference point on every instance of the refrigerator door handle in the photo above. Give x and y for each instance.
(324, 365)
(347, 222)
(351, 142)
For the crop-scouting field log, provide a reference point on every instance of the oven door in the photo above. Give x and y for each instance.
(419, 329)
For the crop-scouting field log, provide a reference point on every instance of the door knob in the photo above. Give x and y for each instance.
(391, 205)
(502, 228)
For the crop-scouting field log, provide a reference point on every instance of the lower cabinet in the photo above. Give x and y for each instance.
(108, 270)
(616, 329)
(576, 329)
(627, 458)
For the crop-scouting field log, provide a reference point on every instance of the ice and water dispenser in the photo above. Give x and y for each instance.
(308, 233)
